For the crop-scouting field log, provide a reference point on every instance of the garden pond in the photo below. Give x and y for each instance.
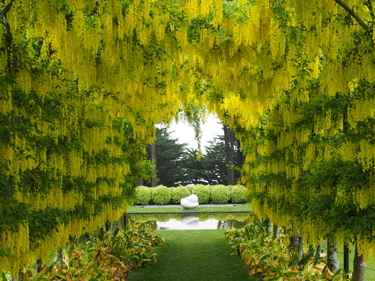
(189, 221)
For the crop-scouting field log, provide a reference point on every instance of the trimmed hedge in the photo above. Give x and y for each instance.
(237, 194)
(161, 195)
(142, 195)
(220, 194)
(203, 192)
(178, 193)
(216, 194)
(190, 188)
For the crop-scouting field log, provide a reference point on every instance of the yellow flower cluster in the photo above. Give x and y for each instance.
(132, 64)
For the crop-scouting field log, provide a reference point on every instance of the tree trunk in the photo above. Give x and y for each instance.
(359, 267)
(296, 247)
(332, 261)
(231, 155)
(140, 182)
(293, 243)
(300, 247)
(346, 258)
(239, 158)
(318, 249)
(82, 239)
(269, 226)
(276, 232)
(153, 160)
(229, 151)
(20, 275)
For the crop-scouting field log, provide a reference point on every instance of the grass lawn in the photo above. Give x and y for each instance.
(191, 255)
(370, 265)
(178, 208)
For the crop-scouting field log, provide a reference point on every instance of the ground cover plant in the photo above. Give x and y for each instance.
(270, 259)
(194, 255)
(109, 255)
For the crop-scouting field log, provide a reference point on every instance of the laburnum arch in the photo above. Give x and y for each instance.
(83, 83)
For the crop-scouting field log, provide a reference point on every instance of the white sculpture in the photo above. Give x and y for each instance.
(190, 220)
(189, 202)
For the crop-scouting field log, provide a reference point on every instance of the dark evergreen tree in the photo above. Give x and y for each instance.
(169, 155)
(192, 168)
(213, 160)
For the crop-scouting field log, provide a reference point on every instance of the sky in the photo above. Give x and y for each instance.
(184, 132)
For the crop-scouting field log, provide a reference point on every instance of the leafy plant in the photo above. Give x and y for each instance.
(203, 192)
(237, 194)
(178, 193)
(104, 256)
(220, 194)
(161, 195)
(269, 259)
(142, 195)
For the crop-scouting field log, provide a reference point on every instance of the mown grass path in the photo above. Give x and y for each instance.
(193, 255)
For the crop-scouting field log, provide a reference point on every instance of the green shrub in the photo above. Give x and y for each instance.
(178, 193)
(161, 195)
(203, 192)
(190, 188)
(231, 187)
(142, 195)
(220, 194)
(237, 194)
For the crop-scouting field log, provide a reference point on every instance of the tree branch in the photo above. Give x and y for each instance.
(6, 9)
(165, 8)
(353, 14)
(369, 6)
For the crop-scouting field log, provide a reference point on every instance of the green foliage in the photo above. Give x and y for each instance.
(142, 195)
(269, 259)
(193, 168)
(161, 195)
(217, 194)
(194, 112)
(169, 163)
(190, 188)
(177, 164)
(220, 194)
(238, 194)
(203, 192)
(131, 245)
(104, 256)
(178, 193)
(211, 169)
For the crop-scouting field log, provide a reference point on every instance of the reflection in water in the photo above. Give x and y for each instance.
(201, 221)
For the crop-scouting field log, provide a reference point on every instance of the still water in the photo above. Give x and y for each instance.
(188, 221)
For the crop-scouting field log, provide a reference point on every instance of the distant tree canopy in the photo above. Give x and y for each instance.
(176, 164)
(169, 155)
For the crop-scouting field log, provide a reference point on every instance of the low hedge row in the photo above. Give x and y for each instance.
(214, 194)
